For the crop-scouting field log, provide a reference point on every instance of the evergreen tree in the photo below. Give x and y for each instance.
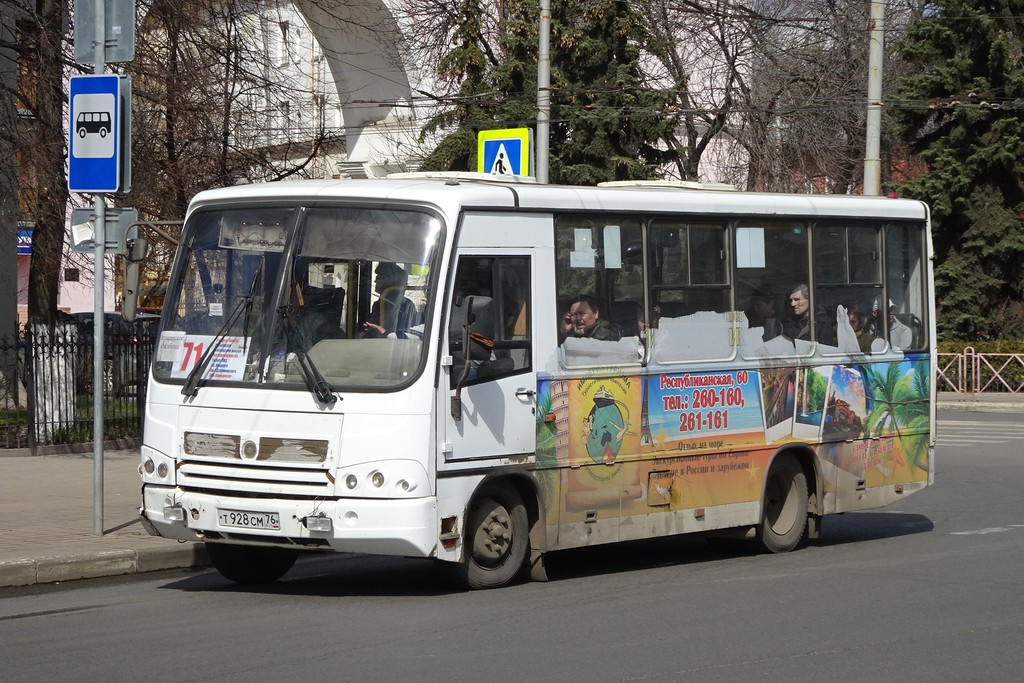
(467, 64)
(968, 67)
(606, 123)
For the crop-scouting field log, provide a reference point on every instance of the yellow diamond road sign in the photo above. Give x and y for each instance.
(503, 152)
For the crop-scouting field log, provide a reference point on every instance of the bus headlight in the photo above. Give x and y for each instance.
(156, 468)
(387, 479)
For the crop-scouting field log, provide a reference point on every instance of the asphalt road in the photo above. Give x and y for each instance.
(927, 590)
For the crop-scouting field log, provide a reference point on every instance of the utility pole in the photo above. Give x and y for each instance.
(98, 316)
(872, 155)
(543, 93)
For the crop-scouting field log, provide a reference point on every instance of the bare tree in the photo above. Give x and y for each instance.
(224, 93)
(40, 47)
(702, 50)
(805, 95)
(214, 103)
(8, 174)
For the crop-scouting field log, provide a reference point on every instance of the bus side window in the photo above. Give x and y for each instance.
(848, 279)
(907, 318)
(771, 263)
(504, 348)
(599, 268)
(690, 291)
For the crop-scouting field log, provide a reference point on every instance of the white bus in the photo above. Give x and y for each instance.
(482, 372)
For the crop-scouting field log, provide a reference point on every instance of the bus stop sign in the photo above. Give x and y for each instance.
(94, 151)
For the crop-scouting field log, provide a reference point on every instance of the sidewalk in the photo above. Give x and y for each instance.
(983, 403)
(46, 521)
(46, 513)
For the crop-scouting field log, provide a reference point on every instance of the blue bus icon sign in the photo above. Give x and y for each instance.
(94, 159)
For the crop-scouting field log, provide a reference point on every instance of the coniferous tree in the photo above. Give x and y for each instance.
(607, 124)
(968, 127)
(468, 64)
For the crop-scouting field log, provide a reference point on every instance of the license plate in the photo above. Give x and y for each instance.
(243, 519)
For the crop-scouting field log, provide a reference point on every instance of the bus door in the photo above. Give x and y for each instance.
(490, 399)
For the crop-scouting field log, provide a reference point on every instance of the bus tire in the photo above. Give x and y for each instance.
(497, 539)
(250, 565)
(784, 512)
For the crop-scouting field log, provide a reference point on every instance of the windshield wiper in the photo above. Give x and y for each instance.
(315, 381)
(191, 387)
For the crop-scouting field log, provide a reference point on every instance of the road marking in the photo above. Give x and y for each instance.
(968, 442)
(974, 433)
(981, 427)
(987, 530)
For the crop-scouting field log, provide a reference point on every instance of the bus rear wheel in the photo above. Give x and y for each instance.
(784, 513)
(497, 539)
(250, 565)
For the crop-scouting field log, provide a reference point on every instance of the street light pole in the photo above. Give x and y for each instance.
(543, 93)
(872, 154)
(98, 324)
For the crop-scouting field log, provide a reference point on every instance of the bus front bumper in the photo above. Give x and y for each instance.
(405, 527)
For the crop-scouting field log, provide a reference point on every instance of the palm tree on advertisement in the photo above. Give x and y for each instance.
(915, 414)
(884, 389)
(900, 406)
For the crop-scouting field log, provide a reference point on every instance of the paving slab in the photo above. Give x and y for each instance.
(47, 521)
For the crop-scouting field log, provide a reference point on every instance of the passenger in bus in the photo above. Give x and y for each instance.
(314, 313)
(856, 319)
(392, 313)
(797, 324)
(583, 319)
(900, 336)
(761, 313)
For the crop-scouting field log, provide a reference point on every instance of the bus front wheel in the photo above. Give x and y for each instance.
(497, 539)
(250, 564)
(784, 513)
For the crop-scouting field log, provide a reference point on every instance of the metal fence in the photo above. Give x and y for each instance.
(46, 384)
(971, 373)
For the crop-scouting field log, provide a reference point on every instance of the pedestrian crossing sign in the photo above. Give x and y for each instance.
(504, 152)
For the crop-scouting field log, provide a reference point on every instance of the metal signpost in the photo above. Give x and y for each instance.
(98, 129)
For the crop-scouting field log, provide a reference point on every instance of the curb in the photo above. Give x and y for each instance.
(980, 406)
(101, 564)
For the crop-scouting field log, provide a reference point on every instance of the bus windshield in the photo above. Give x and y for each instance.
(280, 295)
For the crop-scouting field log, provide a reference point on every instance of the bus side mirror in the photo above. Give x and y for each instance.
(135, 255)
(478, 332)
